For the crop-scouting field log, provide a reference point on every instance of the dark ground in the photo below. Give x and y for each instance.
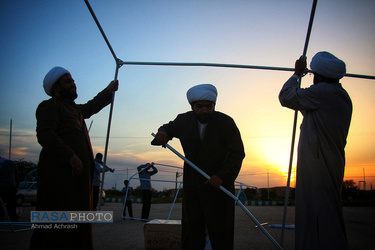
(128, 234)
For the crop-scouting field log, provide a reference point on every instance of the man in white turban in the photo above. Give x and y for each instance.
(212, 141)
(201, 92)
(51, 78)
(327, 111)
(66, 162)
(327, 65)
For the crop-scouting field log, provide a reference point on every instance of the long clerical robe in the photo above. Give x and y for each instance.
(62, 132)
(327, 110)
(219, 153)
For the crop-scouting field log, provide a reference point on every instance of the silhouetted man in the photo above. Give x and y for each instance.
(327, 111)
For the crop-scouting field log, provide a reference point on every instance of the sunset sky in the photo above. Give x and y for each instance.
(38, 35)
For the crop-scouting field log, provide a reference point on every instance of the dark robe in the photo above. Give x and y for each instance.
(219, 153)
(327, 110)
(62, 132)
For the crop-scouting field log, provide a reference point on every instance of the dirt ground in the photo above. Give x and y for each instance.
(129, 234)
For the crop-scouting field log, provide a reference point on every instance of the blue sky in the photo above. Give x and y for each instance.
(38, 35)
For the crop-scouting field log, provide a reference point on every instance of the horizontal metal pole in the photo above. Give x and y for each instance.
(167, 165)
(223, 65)
(360, 76)
(243, 184)
(206, 65)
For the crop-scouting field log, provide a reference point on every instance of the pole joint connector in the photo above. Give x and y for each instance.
(119, 62)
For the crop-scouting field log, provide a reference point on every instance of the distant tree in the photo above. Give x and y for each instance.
(250, 193)
(25, 167)
(349, 189)
(264, 194)
(273, 194)
(111, 193)
(167, 193)
(349, 184)
(155, 193)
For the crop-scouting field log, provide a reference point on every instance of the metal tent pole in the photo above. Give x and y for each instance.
(221, 65)
(167, 165)
(107, 140)
(118, 65)
(295, 126)
(10, 139)
(225, 65)
(226, 192)
(360, 76)
(101, 30)
(90, 126)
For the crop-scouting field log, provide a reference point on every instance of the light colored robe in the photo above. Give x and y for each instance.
(327, 110)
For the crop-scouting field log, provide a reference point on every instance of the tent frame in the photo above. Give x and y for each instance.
(120, 63)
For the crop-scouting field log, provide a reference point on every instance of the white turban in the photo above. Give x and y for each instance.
(202, 92)
(328, 65)
(52, 76)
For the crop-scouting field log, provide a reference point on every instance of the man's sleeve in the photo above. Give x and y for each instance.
(171, 128)
(47, 116)
(96, 104)
(294, 97)
(154, 170)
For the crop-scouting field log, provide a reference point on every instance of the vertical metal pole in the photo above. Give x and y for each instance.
(268, 185)
(107, 138)
(295, 127)
(10, 140)
(118, 65)
(364, 179)
(90, 126)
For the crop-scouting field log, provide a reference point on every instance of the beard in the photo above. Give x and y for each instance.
(204, 118)
(69, 93)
